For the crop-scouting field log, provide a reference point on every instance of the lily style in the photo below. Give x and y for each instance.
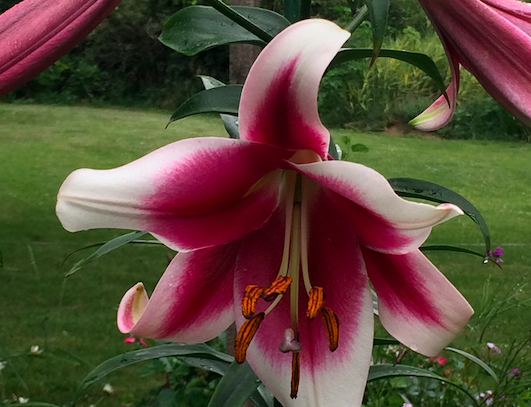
(36, 33)
(492, 40)
(274, 235)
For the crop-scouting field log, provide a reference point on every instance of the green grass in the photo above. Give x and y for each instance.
(41, 145)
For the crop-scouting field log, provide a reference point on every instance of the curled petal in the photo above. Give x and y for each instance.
(491, 42)
(193, 301)
(180, 193)
(335, 263)
(417, 304)
(279, 100)
(35, 33)
(380, 218)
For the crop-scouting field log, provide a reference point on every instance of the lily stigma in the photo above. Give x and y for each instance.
(276, 236)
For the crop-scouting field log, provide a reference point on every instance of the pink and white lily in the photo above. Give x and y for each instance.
(492, 40)
(273, 235)
(36, 33)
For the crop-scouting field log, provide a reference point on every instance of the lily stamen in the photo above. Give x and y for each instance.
(245, 336)
(331, 322)
(250, 297)
(315, 302)
(277, 287)
(295, 374)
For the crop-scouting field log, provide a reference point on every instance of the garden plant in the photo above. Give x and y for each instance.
(286, 232)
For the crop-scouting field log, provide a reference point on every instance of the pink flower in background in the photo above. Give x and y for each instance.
(36, 33)
(492, 40)
(493, 347)
(441, 360)
(266, 227)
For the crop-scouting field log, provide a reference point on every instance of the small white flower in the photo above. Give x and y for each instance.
(2, 365)
(35, 350)
(107, 388)
(23, 400)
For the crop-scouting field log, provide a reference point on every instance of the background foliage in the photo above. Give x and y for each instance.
(123, 63)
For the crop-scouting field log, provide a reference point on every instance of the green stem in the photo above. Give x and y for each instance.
(229, 12)
(358, 19)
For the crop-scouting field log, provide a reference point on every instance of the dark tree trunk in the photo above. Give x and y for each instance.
(242, 56)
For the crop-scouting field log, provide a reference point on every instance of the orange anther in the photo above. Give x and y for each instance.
(278, 286)
(245, 336)
(331, 322)
(295, 374)
(250, 296)
(315, 301)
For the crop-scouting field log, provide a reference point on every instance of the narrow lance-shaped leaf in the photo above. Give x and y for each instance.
(238, 384)
(108, 247)
(198, 28)
(451, 248)
(378, 12)
(417, 188)
(476, 360)
(229, 121)
(378, 372)
(199, 351)
(421, 61)
(224, 99)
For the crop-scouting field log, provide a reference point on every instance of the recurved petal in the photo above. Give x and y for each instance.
(181, 192)
(35, 33)
(379, 217)
(416, 303)
(335, 264)
(440, 112)
(279, 99)
(193, 301)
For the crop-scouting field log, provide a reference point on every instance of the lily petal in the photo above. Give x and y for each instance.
(335, 263)
(180, 192)
(491, 45)
(192, 302)
(417, 304)
(35, 33)
(380, 218)
(279, 99)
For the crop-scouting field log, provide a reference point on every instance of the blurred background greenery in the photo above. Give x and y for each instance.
(122, 63)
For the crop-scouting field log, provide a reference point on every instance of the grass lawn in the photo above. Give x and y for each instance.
(41, 145)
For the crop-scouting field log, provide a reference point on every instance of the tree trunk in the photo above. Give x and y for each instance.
(242, 56)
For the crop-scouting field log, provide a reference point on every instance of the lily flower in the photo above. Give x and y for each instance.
(273, 235)
(492, 40)
(36, 33)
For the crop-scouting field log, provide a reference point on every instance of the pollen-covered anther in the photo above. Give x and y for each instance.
(250, 297)
(289, 342)
(277, 287)
(245, 336)
(315, 302)
(331, 322)
(295, 374)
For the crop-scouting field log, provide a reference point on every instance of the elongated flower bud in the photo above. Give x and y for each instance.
(36, 33)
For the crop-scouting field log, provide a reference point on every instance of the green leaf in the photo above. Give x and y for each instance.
(262, 397)
(378, 12)
(224, 99)
(378, 372)
(198, 351)
(421, 61)
(229, 121)
(111, 245)
(417, 188)
(359, 148)
(236, 386)
(384, 341)
(476, 360)
(444, 247)
(334, 150)
(198, 28)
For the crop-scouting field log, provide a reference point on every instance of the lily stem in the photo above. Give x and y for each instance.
(358, 19)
